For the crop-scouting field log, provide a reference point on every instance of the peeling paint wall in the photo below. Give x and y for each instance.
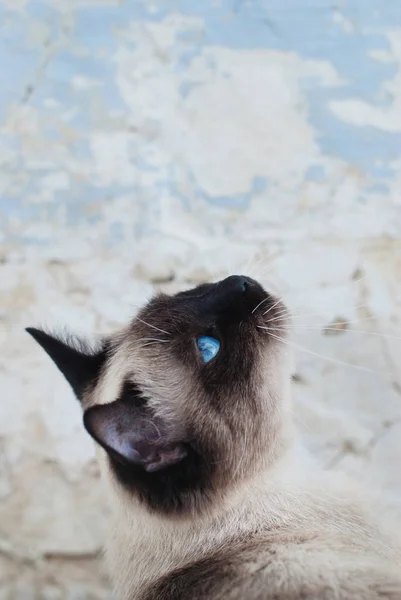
(153, 144)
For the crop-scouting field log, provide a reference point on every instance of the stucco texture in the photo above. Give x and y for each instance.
(154, 144)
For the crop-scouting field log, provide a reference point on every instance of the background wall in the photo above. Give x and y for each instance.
(160, 143)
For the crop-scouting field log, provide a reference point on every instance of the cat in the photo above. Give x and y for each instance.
(190, 409)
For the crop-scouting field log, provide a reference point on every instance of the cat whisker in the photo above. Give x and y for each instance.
(343, 322)
(148, 344)
(320, 314)
(322, 356)
(260, 304)
(282, 315)
(322, 329)
(271, 307)
(149, 339)
(241, 460)
(151, 342)
(153, 326)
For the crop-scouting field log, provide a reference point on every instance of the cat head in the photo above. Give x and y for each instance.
(187, 400)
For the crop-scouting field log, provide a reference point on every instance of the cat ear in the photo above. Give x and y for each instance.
(78, 366)
(132, 435)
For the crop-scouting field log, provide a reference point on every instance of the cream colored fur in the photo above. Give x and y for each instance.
(289, 501)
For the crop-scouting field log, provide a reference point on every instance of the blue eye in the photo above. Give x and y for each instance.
(208, 347)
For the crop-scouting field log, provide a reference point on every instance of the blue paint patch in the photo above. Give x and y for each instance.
(29, 240)
(144, 165)
(12, 207)
(82, 202)
(378, 188)
(259, 185)
(57, 83)
(42, 12)
(188, 45)
(238, 201)
(315, 173)
(186, 88)
(73, 207)
(116, 233)
(363, 147)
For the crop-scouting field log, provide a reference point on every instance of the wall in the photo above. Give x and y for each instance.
(155, 144)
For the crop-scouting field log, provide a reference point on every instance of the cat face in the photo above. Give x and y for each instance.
(187, 400)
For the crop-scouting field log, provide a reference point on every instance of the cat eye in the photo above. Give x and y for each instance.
(208, 347)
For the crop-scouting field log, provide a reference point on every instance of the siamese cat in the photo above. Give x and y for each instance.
(189, 406)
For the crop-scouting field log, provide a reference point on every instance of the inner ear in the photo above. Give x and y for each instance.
(132, 434)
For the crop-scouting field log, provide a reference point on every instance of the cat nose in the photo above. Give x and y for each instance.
(238, 284)
(233, 298)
